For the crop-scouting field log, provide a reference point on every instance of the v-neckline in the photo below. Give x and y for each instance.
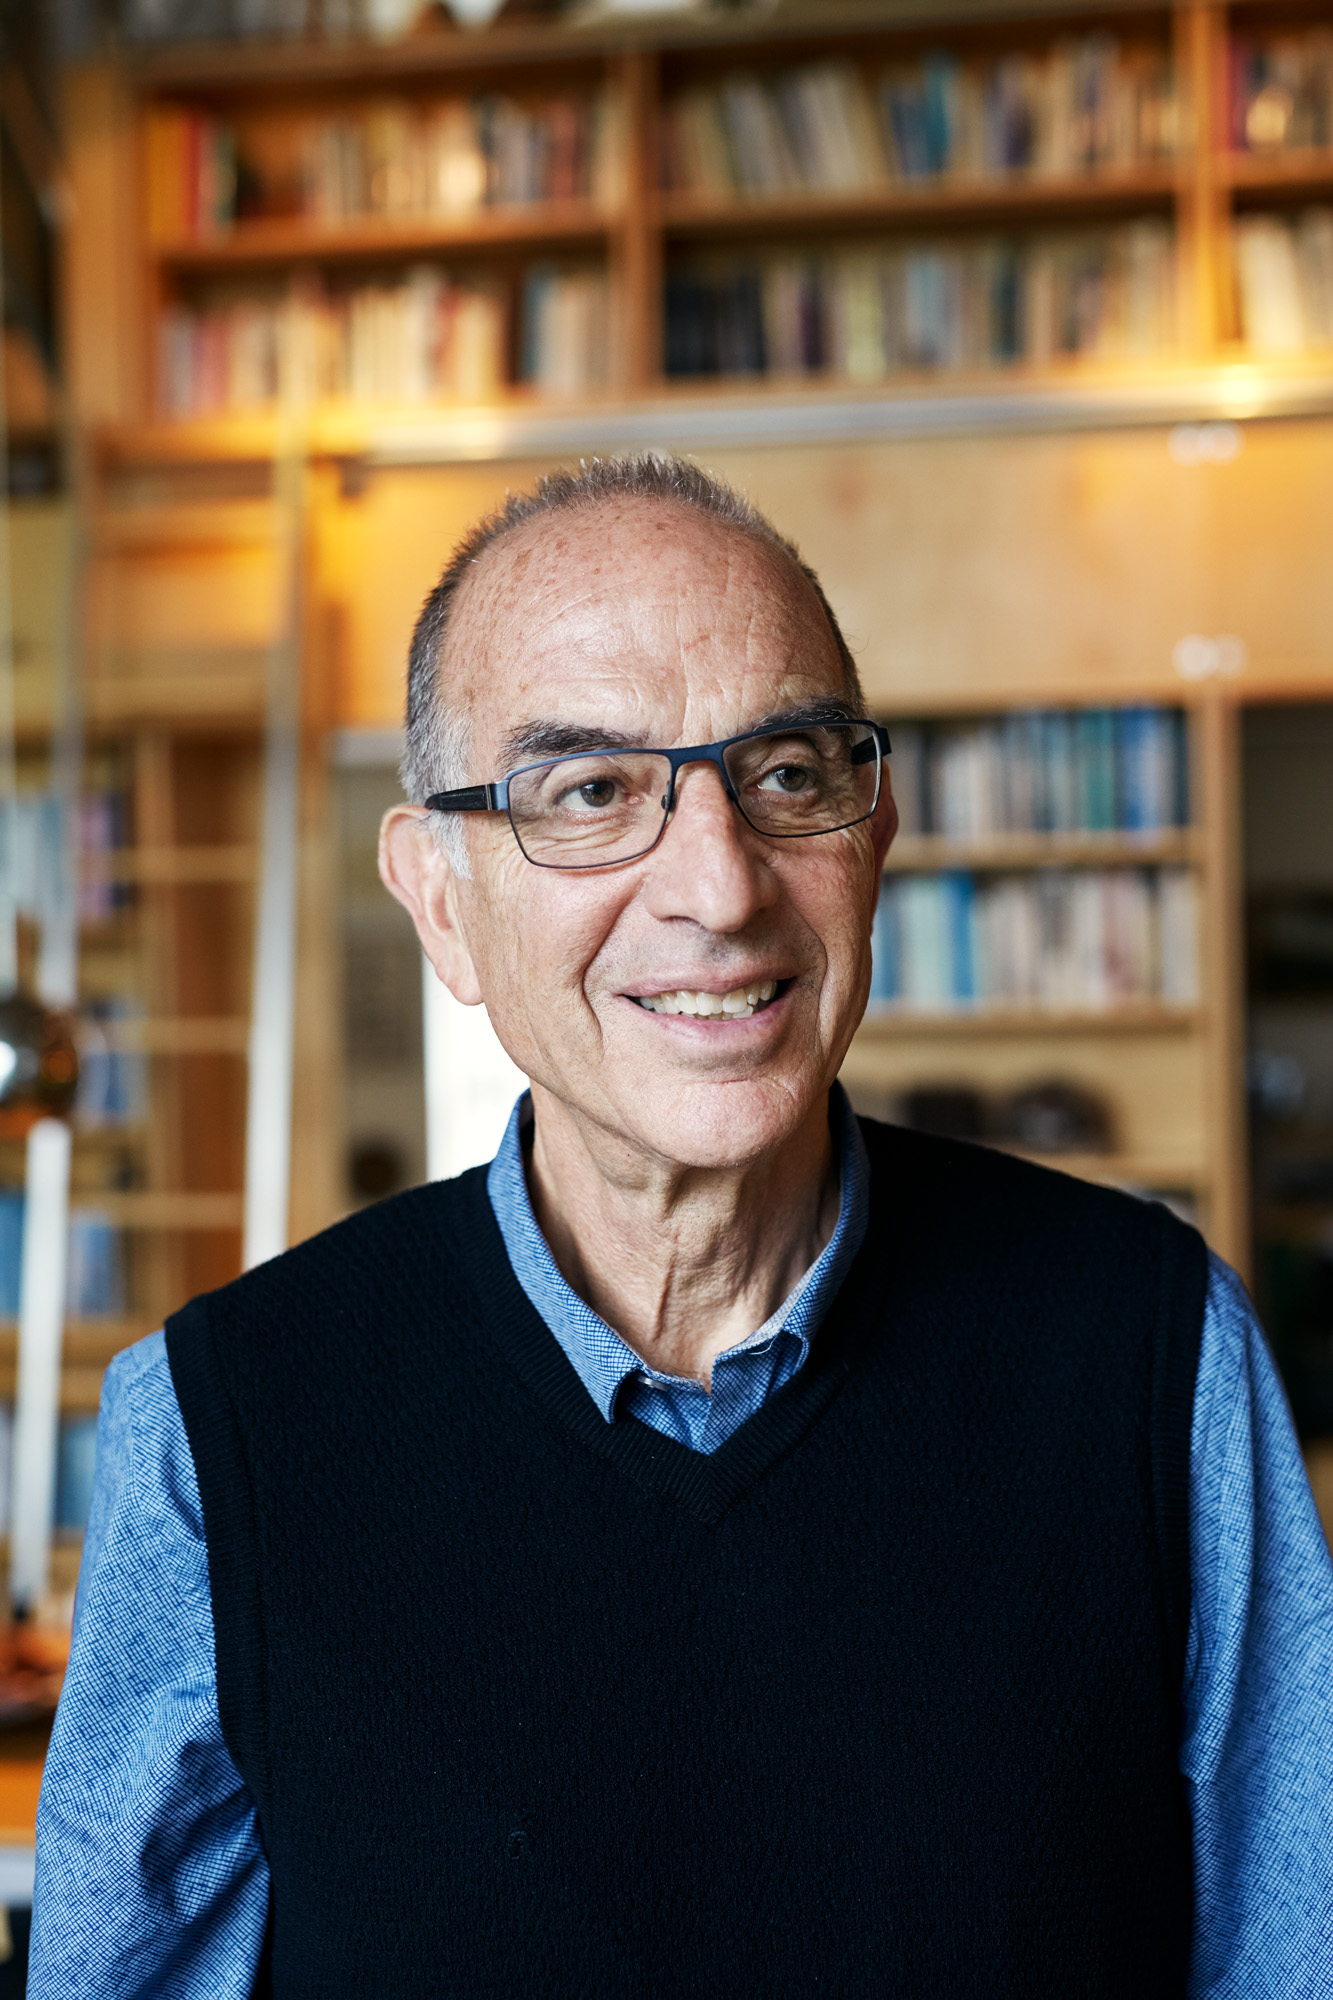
(708, 1484)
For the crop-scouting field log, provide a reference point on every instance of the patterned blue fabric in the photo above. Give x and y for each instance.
(150, 1876)
(747, 1374)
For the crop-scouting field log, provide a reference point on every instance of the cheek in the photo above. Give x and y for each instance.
(540, 931)
(835, 900)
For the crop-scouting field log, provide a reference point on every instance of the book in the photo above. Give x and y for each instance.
(873, 311)
(1043, 772)
(425, 337)
(1284, 276)
(1280, 91)
(1069, 940)
(564, 336)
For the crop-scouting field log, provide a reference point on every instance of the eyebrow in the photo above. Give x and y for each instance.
(533, 742)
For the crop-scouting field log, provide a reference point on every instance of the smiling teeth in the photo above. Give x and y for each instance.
(738, 1005)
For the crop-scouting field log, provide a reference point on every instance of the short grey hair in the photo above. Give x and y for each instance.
(438, 738)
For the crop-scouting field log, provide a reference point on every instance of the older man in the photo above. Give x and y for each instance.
(724, 1547)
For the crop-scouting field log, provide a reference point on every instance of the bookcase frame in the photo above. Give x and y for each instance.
(188, 504)
(1198, 189)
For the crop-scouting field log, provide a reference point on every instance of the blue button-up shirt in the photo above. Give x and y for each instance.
(151, 1879)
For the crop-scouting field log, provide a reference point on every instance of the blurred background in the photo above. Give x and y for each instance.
(1018, 318)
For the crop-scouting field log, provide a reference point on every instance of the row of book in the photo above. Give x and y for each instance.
(1280, 92)
(76, 1457)
(391, 159)
(94, 1272)
(1082, 941)
(1284, 280)
(1083, 106)
(430, 337)
(1059, 771)
(866, 313)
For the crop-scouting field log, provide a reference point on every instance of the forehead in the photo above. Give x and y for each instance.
(638, 613)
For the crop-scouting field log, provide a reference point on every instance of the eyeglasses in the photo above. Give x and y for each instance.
(598, 808)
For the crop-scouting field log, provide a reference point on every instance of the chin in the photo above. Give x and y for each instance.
(723, 1125)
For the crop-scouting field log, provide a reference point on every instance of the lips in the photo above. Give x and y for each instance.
(740, 1003)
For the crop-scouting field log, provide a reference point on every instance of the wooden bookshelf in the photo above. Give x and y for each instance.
(984, 531)
(534, 226)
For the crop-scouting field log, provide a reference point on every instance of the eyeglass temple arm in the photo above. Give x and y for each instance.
(863, 752)
(470, 799)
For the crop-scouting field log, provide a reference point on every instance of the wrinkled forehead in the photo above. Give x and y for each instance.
(646, 616)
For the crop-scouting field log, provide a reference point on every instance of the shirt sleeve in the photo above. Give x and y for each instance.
(150, 1875)
(1257, 1744)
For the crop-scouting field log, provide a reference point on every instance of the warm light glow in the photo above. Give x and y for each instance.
(1243, 391)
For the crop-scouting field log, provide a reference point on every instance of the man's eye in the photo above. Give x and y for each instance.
(594, 794)
(787, 778)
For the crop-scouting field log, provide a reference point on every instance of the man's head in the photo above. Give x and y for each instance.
(645, 602)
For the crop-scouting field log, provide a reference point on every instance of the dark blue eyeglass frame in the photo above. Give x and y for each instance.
(495, 797)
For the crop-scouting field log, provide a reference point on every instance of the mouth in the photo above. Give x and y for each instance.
(741, 1003)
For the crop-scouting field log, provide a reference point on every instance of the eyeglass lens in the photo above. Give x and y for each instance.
(600, 807)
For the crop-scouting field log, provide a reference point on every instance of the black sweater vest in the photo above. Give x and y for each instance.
(882, 1698)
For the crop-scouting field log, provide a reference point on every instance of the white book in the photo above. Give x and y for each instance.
(1270, 291)
(476, 346)
(856, 310)
(1057, 972)
(1130, 935)
(926, 954)
(1314, 270)
(455, 169)
(421, 302)
(1178, 907)
(1089, 940)
(832, 128)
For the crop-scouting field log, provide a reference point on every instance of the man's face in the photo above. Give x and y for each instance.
(650, 621)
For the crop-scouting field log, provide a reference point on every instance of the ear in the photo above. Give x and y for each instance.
(419, 875)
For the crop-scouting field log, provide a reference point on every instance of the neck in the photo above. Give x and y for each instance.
(682, 1262)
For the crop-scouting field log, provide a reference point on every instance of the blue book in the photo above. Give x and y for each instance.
(1133, 782)
(75, 1463)
(940, 81)
(1095, 736)
(95, 1280)
(1059, 781)
(11, 1251)
(960, 898)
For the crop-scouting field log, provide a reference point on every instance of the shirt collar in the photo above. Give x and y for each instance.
(600, 1357)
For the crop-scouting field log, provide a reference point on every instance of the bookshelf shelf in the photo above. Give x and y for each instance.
(899, 1024)
(180, 1035)
(1042, 850)
(1307, 168)
(526, 226)
(950, 200)
(168, 866)
(154, 1209)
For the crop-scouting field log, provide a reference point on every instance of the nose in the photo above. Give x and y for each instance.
(709, 867)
